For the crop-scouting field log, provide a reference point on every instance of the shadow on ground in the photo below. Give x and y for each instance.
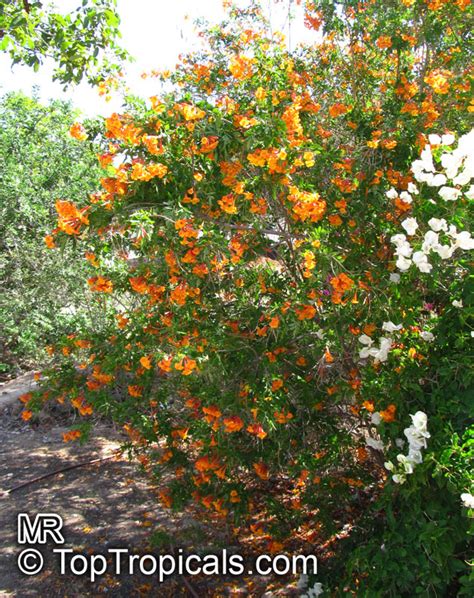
(103, 505)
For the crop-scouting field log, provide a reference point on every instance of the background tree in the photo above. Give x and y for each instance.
(82, 43)
(41, 296)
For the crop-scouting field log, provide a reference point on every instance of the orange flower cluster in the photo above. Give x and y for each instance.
(340, 285)
(208, 144)
(99, 284)
(207, 463)
(438, 80)
(262, 470)
(70, 218)
(241, 67)
(153, 144)
(71, 435)
(190, 112)
(227, 204)
(233, 424)
(384, 41)
(306, 205)
(185, 229)
(230, 171)
(338, 109)
(388, 415)
(142, 172)
(139, 284)
(122, 128)
(273, 158)
(257, 430)
(291, 118)
(82, 406)
(283, 417)
(78, 132)
(26, 415)
(186, 366)
(306, 312)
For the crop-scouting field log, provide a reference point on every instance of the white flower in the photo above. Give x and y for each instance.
(399, 442)
(421, 261)
(420, 422)
(315, 591)
(415, 456)
(399, 479)
(463, 178)
(457, 303)
(403, 263)
(382, 353)
(431, 241)
(438, 224)
(398, 239)
(406, 197)
(412, 188)
(417, 169)
(452, 231)
(447, 139)
(391, 193)
(427, 336)
(451, 163)
(449, 194)
(467, 500)
(404, 249)
(406, 463)
(425, 177)
(464, 240)
(395, 277)
(427, 159)
(466, 144)
(425, 267)
(365, 340)
(389, 465)
(419, 257)
(375, 444)
(470, 192)
(434, 139)
(415, 440)
(438, 180)
(410, 225)
(391, 327)
(445, 251)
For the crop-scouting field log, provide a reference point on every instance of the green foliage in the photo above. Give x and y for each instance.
(82, 43)
(40, 296)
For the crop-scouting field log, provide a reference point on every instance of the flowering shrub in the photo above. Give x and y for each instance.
(261, 345)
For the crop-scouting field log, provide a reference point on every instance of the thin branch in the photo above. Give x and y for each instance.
(58, 471)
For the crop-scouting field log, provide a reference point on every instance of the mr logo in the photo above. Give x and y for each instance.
(44, 525)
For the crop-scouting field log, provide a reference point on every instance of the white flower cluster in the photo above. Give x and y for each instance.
(380, 352)
(313, 592)
(417, 435)
(458, 165)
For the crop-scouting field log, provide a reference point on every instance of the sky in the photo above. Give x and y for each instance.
(154, 32)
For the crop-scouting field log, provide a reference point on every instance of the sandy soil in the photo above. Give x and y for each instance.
(106, 504)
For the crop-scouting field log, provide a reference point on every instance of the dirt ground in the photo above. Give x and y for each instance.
(103, 505)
